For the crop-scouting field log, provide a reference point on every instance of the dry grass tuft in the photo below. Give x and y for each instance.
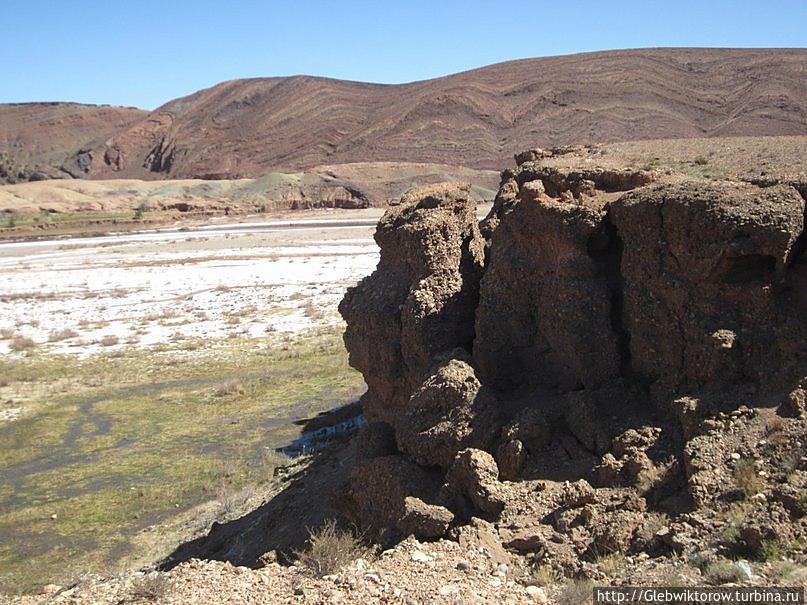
(330, 549)
(746, 478)
(723, 571)
(612, 564)
(109, 340)
(153, 587)
(230, 389)
(576, 592)
(21, 343)
(545, 575)
(63, 334)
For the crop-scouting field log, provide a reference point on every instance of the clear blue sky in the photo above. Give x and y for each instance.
(145, 52)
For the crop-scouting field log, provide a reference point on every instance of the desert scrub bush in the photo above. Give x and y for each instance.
(21, 343)
(746, 478)
(543, 575)
(729, 537)
(780, 571)
(141, 210)
(576, 592)
(330, 549)
(774, 425)
(63, 334)
(6, 333)
(652, 525)
(109, 340)
(611, 564)
(673, 578)
(770, 550)
(723, 571)
(152, 587)
(701, 160)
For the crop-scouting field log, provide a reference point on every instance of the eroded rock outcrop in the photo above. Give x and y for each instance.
(544, 316)
(420, 301)
(704, 268)
(585, 360)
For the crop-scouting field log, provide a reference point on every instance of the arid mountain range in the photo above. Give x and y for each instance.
(478, 119)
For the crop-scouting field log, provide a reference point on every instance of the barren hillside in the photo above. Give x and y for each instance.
(479, 118)
(52, 140)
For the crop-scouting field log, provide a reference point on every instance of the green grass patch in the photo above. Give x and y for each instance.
(116, 443)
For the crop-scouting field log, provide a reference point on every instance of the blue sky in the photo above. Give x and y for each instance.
(144, 53)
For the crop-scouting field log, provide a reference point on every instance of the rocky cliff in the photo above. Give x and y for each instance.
(603, 364)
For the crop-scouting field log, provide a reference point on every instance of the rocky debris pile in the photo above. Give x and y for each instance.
(412, 573)
(470, 568)
(602, 365)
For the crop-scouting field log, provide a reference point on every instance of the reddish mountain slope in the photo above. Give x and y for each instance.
(40, 140)
(477, 118)
(244, 128)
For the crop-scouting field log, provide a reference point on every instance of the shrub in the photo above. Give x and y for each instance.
(21, 343)
(673, 578)
(545, 575)
(231, 388)
(330, 549)
(723, 571)
(611, 564)
(774, 425)
(576, 592)
(64, 334)
(141, 210)
(6, 333)
(770, 550)
(730, 536)
(153, 587)
(109, 340)
(746, 478)
(701, 160)
(780, 571)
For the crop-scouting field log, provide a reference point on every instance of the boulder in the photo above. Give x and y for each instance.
(577, 493)
(449, 412)
(474, 478)
(392, 492)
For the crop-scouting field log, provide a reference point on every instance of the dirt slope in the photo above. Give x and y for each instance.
(479, 118)
(45, 140)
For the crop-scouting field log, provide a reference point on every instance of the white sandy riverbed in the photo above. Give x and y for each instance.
(84, 295)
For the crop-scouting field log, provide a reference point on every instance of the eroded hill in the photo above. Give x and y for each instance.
(479, 118)
(53, 140)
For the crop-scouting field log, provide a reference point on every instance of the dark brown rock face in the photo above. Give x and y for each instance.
(545, 306)
(393, 495)
(420, 301)
(704, 269)
(584, 334)
(449, 412)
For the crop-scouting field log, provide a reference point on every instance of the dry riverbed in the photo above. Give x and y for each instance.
(147, 381)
